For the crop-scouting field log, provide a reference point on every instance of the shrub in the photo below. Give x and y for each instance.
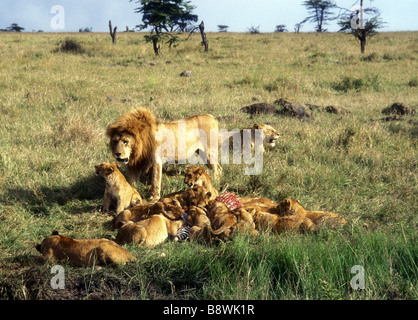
(373, 57)
(71, 46)
(357, 84)
(413, 82)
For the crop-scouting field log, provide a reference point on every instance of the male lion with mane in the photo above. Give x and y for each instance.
(133, 142)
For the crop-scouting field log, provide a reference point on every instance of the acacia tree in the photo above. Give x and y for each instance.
(222, 28)
(280, 28)
(164, 17)
(14, 27)
(320, 12)
(355, 23)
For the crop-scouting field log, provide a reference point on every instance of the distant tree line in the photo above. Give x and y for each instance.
(167, 18)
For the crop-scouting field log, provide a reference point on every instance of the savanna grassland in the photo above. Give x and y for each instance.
(55, 106)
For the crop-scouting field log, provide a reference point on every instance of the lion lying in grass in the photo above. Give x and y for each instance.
(134, 214)
(260, 204)
(171, 206)
(149, 232)
(145, 210)
(271, 222)
(194, 196)
(291, 207)
(199, 224)
(225, 223)
(83, 252)
(292, 216)
(117, 188)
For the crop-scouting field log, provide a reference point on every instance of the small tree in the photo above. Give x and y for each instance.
(254, 30)
(201, 27)
(299, 25)
(14, 27)
(86, 29)
(164, 17)
(320, 12)
(355, 23)
(222, 28)
(113, 32)
(280, 28)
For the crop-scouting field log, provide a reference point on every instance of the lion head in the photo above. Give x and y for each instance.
(270, 135)
(132, 138)
(105, 169)
(122, 145)
(199, 196)
(194, 176)
(289, 206)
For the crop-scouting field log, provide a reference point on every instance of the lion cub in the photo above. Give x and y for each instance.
(225, 222)
(199, 224)
(274, 223)
(197, 176)
(260, 204)
(145, 210)
(195, 196)
(134, 214)
(83, 252)
(117, 188)
(291, 207)
(149, 232)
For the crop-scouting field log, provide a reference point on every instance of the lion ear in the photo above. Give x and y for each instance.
(201, 170)
(54, 232)
(209, 194)
(109, 170)
(257, 126)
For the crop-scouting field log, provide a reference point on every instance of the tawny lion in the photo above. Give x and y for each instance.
(271, 222)
(199, 224)
(270, 136)
(140, 141)
(149, 232)
(225, 222)
(83, 252)
(117, 188)
(194, 196)
(197, 176)
(291, 207)
(145, 210)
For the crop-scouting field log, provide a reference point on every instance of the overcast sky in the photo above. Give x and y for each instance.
(239, 15)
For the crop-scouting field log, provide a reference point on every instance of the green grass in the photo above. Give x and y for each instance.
(54, 108)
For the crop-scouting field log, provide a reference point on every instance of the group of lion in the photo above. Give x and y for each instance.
(198, 210)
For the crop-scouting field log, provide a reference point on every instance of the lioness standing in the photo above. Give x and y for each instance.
(135, 139)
